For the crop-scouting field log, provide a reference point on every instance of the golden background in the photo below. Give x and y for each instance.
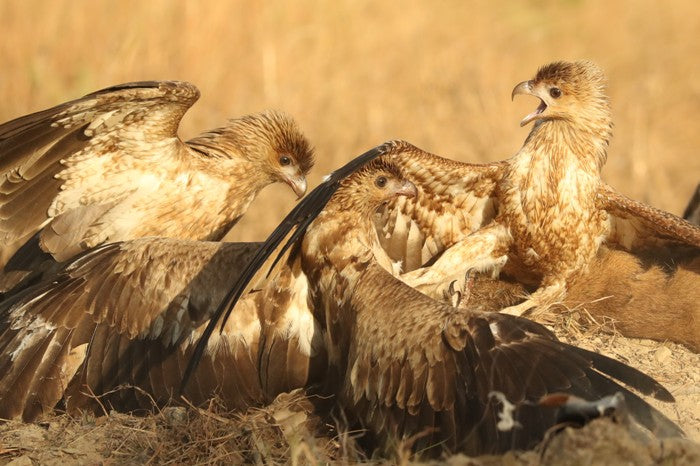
(356, 73)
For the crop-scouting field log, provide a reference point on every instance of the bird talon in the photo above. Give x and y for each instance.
(469, 278)
(452, 295)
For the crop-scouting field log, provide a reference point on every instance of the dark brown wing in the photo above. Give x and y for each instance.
(692, 210)
(285, 236)
(636, 226)
(116, 315)
(414, 364)
(50, 161)
(454, 199)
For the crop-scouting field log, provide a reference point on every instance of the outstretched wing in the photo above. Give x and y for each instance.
(124, 313)
(637, 226)
(289, 231)
(50, 160)
(454, 199)
(415, 365)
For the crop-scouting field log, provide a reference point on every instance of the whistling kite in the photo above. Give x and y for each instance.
(110, 167)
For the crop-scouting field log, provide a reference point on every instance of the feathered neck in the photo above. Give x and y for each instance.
(583, 139)
(341, 235)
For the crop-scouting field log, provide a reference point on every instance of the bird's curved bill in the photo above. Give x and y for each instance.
(298, 185)
(525, 88)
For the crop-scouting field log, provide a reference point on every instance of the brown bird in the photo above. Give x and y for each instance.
(402, 364)
(541, 214)
(116, 326)
(119, 322)
(110, 167)
(126, 315)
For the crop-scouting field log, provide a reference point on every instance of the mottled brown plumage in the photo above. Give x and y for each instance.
(111, 167)
(401, 363)
(541, 214)
(397, 361)
(128, 314)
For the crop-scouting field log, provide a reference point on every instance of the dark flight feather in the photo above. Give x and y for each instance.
(298, 220)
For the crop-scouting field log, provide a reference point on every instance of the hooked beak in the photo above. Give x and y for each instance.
(525, 88)
(407, 189)
(298, 185)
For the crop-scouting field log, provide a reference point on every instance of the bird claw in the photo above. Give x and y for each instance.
(460, 298)
(452, 295)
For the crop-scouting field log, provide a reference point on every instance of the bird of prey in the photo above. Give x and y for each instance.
(126, 315)
(540, 215)
(116, 326)
(110, 167)
(401, 363)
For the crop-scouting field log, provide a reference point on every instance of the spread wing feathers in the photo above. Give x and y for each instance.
(130, 313)
(637, 226)
(48, 159)
(440, 365)
(287, 234)
(454, 199)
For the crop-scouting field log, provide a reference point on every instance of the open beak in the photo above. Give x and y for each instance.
(407, 189)
(298, 185)
(525, 88)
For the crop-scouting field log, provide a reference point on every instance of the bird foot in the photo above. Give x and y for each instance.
(519, 309)
(460, 298)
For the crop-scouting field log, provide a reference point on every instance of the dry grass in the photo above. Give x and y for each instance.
(286, 431)
(356, 73)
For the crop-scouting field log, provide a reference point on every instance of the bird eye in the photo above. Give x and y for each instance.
(555, 92)
(284, 160)
(380, 181)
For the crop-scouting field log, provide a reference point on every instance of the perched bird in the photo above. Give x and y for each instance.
(110, 167)
(402, 364)
(116, 326)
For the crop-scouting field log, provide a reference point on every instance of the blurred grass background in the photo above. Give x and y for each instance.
(356, 73)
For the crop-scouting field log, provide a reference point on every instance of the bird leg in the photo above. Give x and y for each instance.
(539, 302)
(483, 250)
(460, 298)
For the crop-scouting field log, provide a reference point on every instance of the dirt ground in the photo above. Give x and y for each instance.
(288, 431)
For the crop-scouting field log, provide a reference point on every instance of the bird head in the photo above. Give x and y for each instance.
(375, 184)
(273, 141)
(567, 91)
